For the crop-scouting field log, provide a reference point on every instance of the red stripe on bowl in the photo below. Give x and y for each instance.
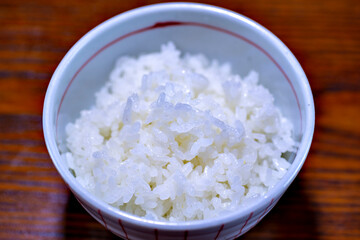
(258, 220)
(246, 222)
(173, 24)
(102, 219)
(218, 233)
(122, 227)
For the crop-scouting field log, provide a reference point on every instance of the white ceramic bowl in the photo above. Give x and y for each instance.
(195, 28)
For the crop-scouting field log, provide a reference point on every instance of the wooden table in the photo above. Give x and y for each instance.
(322, 203)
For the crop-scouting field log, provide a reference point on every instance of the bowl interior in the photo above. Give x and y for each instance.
(218, 35)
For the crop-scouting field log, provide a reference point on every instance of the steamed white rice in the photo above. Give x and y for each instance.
(179, 138)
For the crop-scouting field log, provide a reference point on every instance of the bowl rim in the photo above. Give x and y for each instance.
(274, 193)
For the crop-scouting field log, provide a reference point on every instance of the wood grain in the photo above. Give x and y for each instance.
(322, 203)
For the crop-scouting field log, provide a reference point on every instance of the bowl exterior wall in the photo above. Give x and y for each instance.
(143, 30)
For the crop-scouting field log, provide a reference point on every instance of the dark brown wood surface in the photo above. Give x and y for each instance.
(322, 203)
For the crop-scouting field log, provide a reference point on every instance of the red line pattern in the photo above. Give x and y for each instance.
(80, 201)
(173, 23)
(246, 222)
(272, 200)
(102, 218)
(122, 227)
(221, 228)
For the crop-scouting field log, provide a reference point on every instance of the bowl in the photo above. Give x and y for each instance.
(195, 28)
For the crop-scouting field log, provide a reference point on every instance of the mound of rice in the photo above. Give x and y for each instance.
(179, 138)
